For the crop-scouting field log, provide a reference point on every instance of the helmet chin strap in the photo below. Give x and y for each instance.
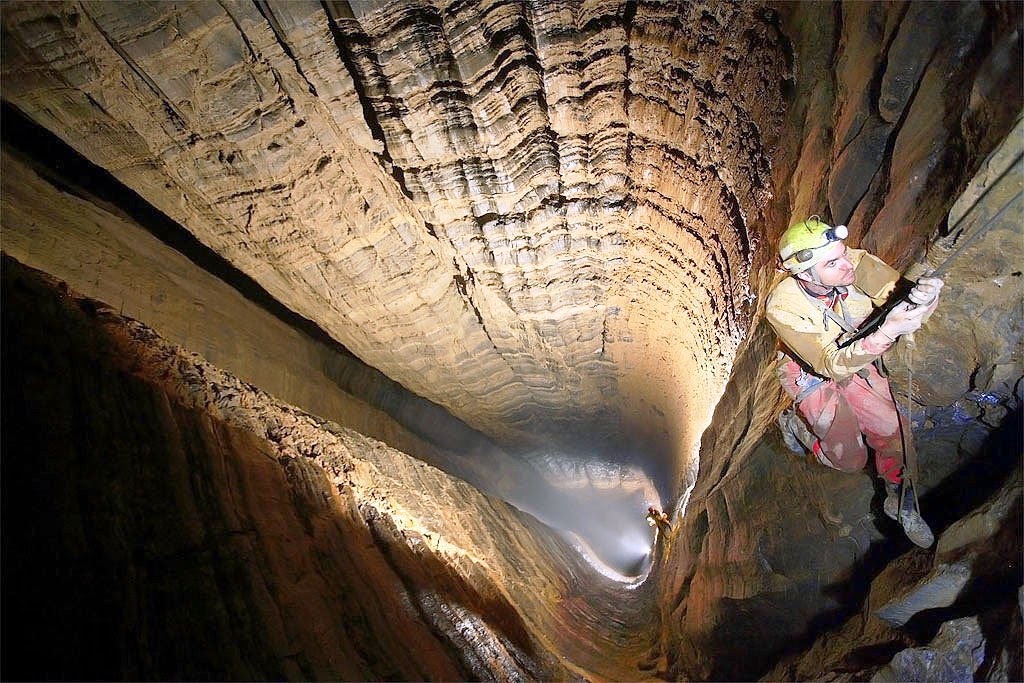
(815, 280)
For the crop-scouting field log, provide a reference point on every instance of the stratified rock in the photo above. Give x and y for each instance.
(534, 215)
(557, 221)
(164, 520)
(939, 589)
(112, 257)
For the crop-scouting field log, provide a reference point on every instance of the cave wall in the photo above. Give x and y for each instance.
(535, 216)
(65, 216)
(59, 218)
(898, 110)
(557, 221)
(110, 257)
(163, 519)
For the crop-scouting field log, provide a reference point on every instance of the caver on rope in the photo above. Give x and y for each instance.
(843, 404)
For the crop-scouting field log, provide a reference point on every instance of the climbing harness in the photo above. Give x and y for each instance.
(800, 254)
(845, 323)
(808, 384)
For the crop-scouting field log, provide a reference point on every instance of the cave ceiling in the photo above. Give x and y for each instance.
(533, 214)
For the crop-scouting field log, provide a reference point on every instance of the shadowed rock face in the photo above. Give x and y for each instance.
(819, 537)
(544, 230)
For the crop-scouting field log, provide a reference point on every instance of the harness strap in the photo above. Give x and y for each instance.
(844, 322)
(809, 389)
(846, 314)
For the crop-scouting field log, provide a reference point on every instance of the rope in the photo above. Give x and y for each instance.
(869, 326)
(941, 270)
(909, 454)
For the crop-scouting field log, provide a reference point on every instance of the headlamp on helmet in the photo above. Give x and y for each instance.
(800, 246)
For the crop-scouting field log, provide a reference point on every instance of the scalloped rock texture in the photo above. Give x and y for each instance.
(557, 220)
(214, 532)
(535, 216)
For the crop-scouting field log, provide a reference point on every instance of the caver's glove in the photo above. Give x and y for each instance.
(926, 291)
(903, 319)
(906, 317)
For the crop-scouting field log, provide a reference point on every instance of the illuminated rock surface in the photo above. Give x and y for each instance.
(541, 233)
(252, 540)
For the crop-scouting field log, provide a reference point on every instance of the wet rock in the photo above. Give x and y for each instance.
(854, 170)
(954, 655)
(905, 60)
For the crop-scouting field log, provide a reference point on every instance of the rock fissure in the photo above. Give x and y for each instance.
(342, 39)
(179, 118)
(268, 14)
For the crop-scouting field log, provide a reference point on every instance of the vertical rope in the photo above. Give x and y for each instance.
(906, 434)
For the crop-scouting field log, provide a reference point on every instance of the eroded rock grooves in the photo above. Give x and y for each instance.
(519, 163)
(883, 105)
(555, 220)
(256, 541)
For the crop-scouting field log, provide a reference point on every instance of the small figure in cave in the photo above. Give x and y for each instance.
(658, 519)
(840, 398)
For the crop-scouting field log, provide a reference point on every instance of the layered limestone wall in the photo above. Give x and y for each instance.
(555, 220)
(164, 520)
(62, 216)
(106, 254)
(533, 215)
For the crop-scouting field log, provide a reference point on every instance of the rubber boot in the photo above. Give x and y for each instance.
(795, 433)
(891, 504)
(914, 526)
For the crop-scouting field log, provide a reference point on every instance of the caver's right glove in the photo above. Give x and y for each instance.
(926, 291)
(904, 319)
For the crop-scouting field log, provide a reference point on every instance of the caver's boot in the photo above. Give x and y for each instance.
(891, 504)
(914, 526)
(795, 433)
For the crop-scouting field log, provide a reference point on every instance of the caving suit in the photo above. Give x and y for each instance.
(838, 391)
